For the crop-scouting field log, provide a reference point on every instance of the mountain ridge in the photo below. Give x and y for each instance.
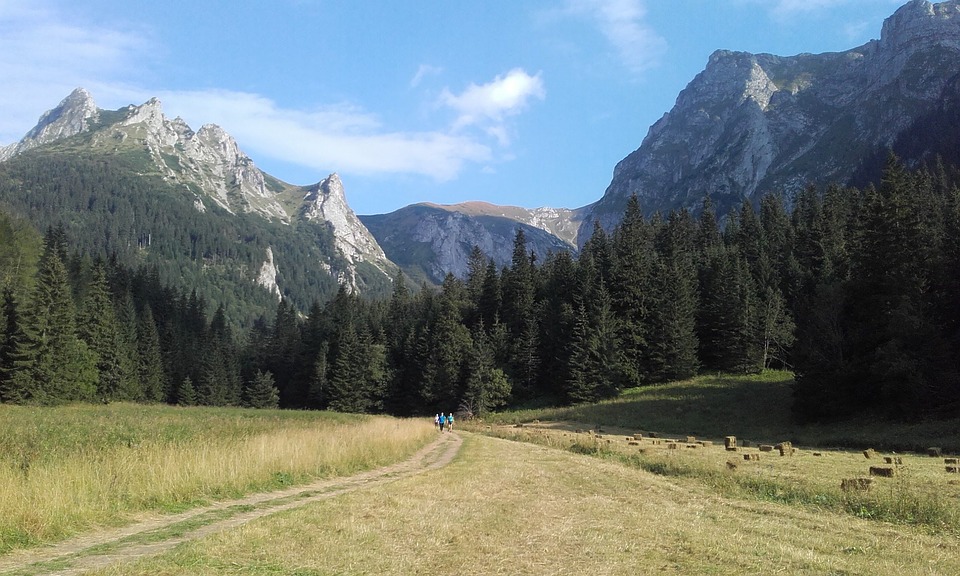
(755, 123)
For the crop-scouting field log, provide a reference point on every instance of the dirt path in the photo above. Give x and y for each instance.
(160, 534)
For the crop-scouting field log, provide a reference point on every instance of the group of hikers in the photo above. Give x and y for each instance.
(440, 421)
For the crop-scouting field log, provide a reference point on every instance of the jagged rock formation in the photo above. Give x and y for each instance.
(327, 202)
(755, 123)
(75, 114)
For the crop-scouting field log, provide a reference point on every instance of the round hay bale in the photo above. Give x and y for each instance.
(934, 451)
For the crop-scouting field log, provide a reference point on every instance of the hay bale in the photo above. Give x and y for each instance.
(656, 441)
(766, 448)
(693, 445)
(817, 454)
(856, 484)
(751, 457)
(895, 460)
(691, 439)
(746, 443)
(653, 435)
(729, 442)
(870, 453)
(633, 443)
(705, 443)
(732, 464)
(673, 446)
(785, 448)
(883, 471)
(952, 469)
(638, 436)
(949, 460)
(934, 451)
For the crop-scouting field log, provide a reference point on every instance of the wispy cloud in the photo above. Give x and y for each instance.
(341, 138)
(488, 105)
(44, 55)
(423, 71)
(621, 22)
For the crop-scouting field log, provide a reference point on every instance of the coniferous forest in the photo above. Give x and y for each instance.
(855, 290)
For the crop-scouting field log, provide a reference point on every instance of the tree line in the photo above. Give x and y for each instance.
(855, 290)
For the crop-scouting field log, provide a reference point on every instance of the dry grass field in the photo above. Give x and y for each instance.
(73, 469)
(643, 484)
(518, 508)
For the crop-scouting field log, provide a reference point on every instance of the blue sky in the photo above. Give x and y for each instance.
(519, 102)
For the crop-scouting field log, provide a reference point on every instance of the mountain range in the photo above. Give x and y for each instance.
(747, 125)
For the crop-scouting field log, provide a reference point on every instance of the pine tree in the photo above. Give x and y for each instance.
(98, 327)
(318, 387)
(149, 358)
(186, 395)
(260, 392)
(57, 366)
(520, 318)
(12, 350)
(630, 275)
(673, 340)
(487, 386)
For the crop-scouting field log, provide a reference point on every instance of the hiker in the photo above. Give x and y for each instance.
(441, 421)
(436, 421)
(450, 422)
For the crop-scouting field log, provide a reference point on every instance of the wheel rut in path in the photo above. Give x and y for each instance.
(156, 535)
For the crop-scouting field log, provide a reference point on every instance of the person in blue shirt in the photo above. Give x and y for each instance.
(442, 421)
(450, 422)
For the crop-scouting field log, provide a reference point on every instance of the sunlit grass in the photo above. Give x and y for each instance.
(523, 509)
(69, 469)
(920, 493)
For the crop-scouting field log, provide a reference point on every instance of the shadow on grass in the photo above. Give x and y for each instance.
(753, 407)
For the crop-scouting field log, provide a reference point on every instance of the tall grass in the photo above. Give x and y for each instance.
(64, 470)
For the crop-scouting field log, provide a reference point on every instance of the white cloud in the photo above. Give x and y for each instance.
(341, 138)
(43, 56)
(422, 72)
(487, 105)
(622, 24)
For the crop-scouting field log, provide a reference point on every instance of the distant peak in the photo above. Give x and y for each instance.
(921, 20)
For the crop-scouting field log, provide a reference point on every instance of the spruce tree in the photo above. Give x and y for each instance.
(149, 358)
(631, 289)
(98, 327)
(260, 392)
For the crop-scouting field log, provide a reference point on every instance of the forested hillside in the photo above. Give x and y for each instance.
(112, 206)
(857, 291)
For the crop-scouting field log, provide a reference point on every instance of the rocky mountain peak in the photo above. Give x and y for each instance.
(922, 23)
(327, 201)
(75, 114)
